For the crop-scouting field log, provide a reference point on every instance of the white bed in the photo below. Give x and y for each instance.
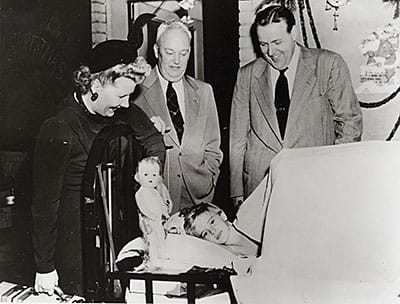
(329, 225)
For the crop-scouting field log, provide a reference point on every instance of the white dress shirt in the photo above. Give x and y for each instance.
(290, 73)
(180, 92)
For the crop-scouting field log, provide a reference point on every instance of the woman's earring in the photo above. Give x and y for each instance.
(94, 95)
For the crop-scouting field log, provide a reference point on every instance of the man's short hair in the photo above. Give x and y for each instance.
(275, 14)
(170, 25)
(270, 14)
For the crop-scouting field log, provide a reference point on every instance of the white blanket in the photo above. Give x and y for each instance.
(182, 252)
(332, 227)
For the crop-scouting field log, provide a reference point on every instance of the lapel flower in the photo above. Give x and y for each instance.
(187, 20)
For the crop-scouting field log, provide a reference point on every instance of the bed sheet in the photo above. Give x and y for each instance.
(332, 228)
(182, 252)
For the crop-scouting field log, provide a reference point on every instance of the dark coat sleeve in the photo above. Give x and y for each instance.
(145, 132)
(52, 152)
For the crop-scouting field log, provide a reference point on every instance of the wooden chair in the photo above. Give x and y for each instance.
(110, 220)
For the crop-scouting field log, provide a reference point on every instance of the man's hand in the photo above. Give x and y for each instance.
(160, 125)
(46, 282)
(237, 201)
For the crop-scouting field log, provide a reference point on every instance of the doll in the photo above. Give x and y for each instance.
(154, 205)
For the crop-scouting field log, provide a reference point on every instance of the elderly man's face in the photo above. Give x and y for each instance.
(173, 54)
(276, 44)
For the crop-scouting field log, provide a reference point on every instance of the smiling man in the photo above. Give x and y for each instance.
(291, 96)
(187, 108)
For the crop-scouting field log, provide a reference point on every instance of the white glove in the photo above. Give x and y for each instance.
(46, 282)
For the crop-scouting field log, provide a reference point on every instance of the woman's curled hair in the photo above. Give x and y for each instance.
(137, 71)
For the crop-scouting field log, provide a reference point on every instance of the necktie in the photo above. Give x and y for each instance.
(282, 101)
(174, 112)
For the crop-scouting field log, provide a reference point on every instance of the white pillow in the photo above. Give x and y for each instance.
(184, 252)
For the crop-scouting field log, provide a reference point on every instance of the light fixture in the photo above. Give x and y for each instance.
(335, 4)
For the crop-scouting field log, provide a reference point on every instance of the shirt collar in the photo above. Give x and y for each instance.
(164, 82)
(291, 71)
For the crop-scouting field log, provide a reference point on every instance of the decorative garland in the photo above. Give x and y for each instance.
(367, 105)
(394, 130)
(396, 9)
(370, 105)
(302, 4)
(312, 24)
(302, 22)
(290, 4)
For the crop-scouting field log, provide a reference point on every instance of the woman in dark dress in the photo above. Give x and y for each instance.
(61, 153)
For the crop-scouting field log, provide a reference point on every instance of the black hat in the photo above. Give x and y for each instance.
(109, 53)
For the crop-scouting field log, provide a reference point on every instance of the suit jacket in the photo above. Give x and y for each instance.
(324, 110)
(193, 165)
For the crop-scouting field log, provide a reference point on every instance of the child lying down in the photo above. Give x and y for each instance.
(196, 236)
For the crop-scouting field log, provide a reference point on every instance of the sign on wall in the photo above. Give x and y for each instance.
(380, 73)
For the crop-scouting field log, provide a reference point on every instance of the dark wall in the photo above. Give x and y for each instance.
(221, 50)
(41, 42)
(221, 57)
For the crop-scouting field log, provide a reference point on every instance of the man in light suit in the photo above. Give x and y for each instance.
(194, 156)
(321, 107)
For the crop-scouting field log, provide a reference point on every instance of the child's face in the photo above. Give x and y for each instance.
(212, 227)
(148, 175)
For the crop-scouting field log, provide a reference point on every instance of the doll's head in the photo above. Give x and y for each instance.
(148, 172)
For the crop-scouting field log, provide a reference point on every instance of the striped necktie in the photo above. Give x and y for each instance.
(174, 112)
